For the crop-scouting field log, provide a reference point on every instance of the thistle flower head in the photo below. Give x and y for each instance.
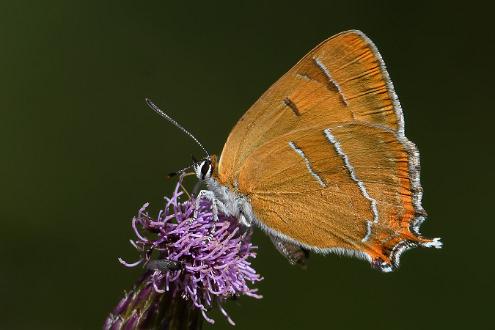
(193, 257)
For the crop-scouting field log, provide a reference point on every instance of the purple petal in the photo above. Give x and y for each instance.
(134, 264)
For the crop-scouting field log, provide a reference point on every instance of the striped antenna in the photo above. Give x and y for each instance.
(176, 124)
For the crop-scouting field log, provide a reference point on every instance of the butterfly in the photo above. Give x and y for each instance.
(321, 163)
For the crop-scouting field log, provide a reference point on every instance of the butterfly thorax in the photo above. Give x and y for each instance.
(231, 201)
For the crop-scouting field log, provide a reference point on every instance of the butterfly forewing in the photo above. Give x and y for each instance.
(342, 79)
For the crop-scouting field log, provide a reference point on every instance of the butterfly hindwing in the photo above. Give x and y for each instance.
(342, 187)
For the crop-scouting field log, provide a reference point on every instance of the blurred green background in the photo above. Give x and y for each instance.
(81, 152)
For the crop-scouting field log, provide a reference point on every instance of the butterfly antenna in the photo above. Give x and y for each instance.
(176, 124)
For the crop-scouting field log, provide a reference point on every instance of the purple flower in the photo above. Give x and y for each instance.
(193, 258)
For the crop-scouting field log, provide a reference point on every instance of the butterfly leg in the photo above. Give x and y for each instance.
(243, 221)
(295, 254)
(215, 203)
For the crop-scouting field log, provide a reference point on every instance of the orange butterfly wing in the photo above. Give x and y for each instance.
(308, 93)
(343, 189)
(323, 158)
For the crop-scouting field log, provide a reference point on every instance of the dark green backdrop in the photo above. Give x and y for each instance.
(80, 152)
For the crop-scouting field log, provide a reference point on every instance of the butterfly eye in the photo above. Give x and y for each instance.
(205, 169)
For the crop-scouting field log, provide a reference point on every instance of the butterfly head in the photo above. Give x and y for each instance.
(205, 168)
